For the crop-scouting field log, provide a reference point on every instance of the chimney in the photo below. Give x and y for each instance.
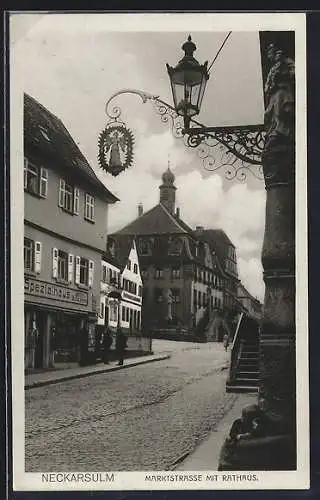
(178, 212)
(140, 209)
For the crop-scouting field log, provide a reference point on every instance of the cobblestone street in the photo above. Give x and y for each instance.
(142, 418)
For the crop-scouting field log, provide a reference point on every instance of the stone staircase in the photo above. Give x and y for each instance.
(244, 366)
(246, 375)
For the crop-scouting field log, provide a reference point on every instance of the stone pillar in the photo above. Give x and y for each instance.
(277, 396)
(270, 426)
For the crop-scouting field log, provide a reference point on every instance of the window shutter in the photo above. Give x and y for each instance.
(91, 272)
(62, 186)
(76, 197)
(37, 257)
(25, 173)
(70, 267)
(55, 262)
(43, 182)
(77, 280)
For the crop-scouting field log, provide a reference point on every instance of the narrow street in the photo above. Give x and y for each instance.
(141, 418)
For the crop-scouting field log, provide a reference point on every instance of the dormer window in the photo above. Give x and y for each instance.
(44, 133)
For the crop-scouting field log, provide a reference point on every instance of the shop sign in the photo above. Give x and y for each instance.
(129, 296)
(55, 292)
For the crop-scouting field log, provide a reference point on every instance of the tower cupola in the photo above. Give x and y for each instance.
(168, 190)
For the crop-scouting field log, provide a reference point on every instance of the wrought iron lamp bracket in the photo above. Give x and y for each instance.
(237, 149)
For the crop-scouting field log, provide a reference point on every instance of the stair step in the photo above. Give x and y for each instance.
(252, 374)
(247, 381)
(241, 388)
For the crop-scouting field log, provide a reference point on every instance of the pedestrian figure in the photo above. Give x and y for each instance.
(107, 341)
(121, 344)
(226, 341)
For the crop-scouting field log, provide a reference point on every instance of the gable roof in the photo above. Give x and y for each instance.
(218, 241)
(47, 134)
(158, 220)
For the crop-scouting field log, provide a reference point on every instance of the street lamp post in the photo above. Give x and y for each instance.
(268, 152)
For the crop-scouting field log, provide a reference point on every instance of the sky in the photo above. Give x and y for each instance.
(73, 63)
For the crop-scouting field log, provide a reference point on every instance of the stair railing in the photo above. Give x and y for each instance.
(236, 350)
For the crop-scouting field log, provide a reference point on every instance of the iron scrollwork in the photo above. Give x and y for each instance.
(236, 149)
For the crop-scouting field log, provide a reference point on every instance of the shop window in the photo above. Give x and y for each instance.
(28, 254)
(68, 197)
(84, 271)
(35, 179)
(135, 268)
(62, 265)
(127, 314)
(123, 313)
(89, 207)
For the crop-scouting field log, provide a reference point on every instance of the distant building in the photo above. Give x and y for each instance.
(183, 280)
(224, 250)
(121, 289)
(252, 306)
(65, 227)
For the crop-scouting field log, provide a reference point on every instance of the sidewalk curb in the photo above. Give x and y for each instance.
(42, 383)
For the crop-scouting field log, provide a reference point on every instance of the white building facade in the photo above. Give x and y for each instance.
(121, 293)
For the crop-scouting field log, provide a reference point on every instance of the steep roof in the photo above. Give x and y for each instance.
(47, 134)
(158, 220)
(218, 240)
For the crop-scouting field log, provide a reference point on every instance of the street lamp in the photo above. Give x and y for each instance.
(188, 83)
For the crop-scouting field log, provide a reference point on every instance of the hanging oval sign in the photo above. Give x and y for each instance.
(115, 149)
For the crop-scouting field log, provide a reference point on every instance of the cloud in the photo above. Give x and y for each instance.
(250, 273)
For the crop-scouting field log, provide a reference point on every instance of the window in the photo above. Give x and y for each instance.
(127, 314)
(89, 207)
(32, 255)
(129, 264)
(135, 268)
(35, 179)
(144, 247)
(144, 273)
(159, 274)
(140, 291)
(68, 197)
(84, 271)
(158, 295)
(28, 254)
(175, 246)
(175, 273)
(62, 265)
(104, 274)
(175, 295)
(123, 313)
(102, 310)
